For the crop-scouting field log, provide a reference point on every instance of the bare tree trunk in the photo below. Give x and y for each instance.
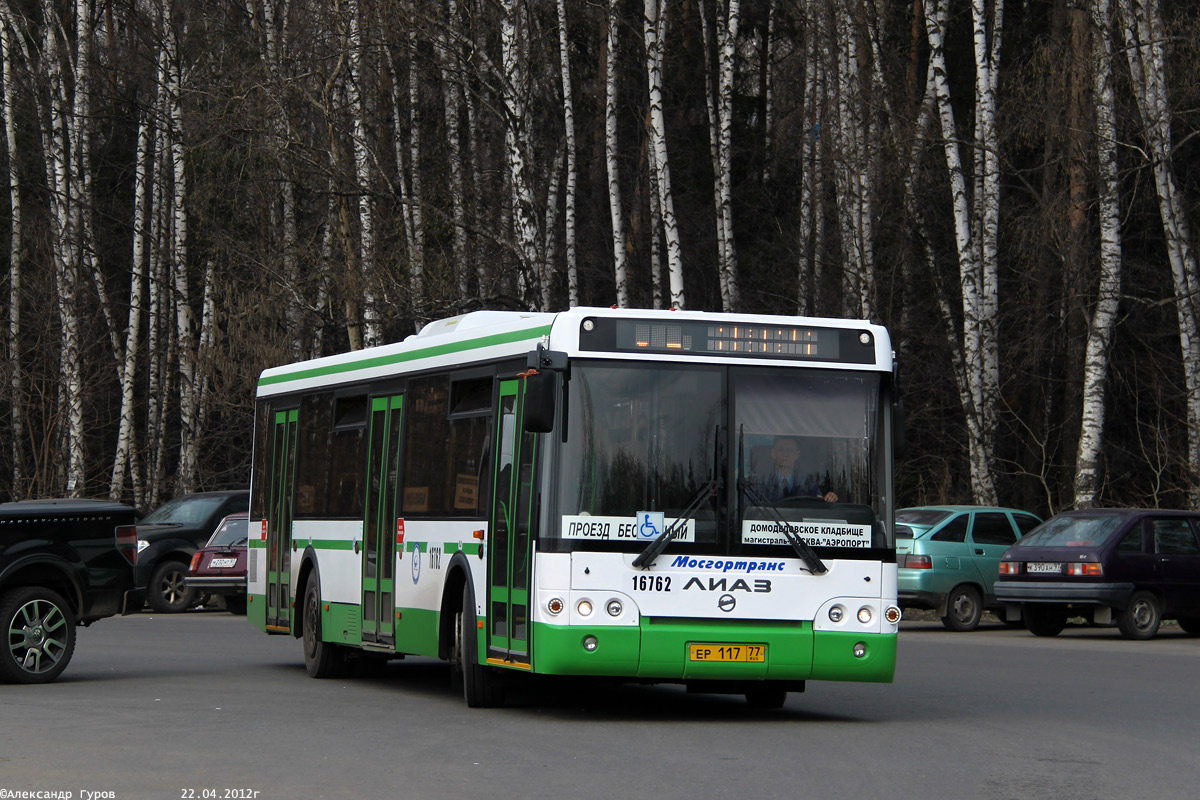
(654, 27)
(728, 18)
(812, 164)
(976, 322)
(656, 293)
(416, 275)
(185, 324)
(372, 333)
(1145, 42)
(550, 238)
(768, 91)
(710, 105)
(143, 164)
(854, 171)
(1088, 457)
(515, 136)
(16, 384)
(453, 105)
(610, 155)
(572, 176)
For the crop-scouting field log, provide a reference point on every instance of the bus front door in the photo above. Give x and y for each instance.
(379, 523)
(511, 533)
(279, 520)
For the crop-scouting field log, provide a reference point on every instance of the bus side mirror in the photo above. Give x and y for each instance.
(538, 414)
(899, 423)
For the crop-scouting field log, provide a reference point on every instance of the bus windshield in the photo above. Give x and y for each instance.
(756, 447)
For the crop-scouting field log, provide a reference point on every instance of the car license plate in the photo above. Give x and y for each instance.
(222, 563)
(1043, 566)
(716, 651)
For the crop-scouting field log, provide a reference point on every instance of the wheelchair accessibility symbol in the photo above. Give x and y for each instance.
(650, 524)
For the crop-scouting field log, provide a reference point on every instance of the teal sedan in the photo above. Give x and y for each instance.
(948, 558)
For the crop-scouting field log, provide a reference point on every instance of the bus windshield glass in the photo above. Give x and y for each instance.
(743, 449)
(641, 438)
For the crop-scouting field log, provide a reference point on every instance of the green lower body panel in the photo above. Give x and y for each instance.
(256, 610)
(834, 659)
(341, 623)
(559, 650)
(658, 650)
(417, 632)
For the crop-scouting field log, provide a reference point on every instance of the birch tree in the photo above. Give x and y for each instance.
(853, 168)
(654, 30)
(728, 19)
(364, 176)
(185, 321)
(812, 161)
(1145, 50)
(975, 227)
(452, 92)
(16, 386)
(572, 171)
(143, 166)
(1088, 465)
(616, 213)
(513, 29)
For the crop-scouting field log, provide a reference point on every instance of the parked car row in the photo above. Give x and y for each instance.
(170, 536)
(1128, 567)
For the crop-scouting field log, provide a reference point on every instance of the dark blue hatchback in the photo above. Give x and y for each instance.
(1136, 566)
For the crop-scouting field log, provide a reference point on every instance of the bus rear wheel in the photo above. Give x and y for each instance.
(322, 659)
(481, 685)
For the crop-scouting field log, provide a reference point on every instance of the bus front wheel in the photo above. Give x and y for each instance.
(481, 685)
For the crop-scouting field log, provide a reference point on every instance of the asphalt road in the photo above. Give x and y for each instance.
(201, 705)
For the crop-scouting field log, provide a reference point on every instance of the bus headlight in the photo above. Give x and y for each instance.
(590, 644)
(860, 649)
(836, 613)
(614, 608)
(864, 615)
(892, 615)
(555, 606)
(584, 608)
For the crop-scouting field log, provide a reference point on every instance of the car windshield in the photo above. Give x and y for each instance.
(1090, 531)
(231, 533)
(920, 516)
(184, 511)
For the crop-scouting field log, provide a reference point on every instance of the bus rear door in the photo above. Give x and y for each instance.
(279, 520)
(379, 523)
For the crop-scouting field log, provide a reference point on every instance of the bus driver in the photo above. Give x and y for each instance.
(785, 481)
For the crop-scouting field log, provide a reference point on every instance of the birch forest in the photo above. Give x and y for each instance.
(198, 189)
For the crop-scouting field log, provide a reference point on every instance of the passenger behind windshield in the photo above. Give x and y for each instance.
(785, 478)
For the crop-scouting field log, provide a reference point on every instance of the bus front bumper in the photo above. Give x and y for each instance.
(658, 650)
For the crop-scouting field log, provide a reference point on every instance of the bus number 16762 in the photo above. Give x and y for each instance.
(651, 583)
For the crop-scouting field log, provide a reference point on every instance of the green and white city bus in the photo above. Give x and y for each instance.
(594, 493)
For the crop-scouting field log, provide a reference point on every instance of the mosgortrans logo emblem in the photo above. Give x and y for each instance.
(728, 564)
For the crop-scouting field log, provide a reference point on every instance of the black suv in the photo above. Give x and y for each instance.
(169, 535)
(62, 563)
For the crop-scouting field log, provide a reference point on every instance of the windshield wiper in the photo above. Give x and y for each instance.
(677, 527)
(749, 490)
(802, 548)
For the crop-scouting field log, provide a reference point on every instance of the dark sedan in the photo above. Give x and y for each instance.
(1136, 566)
(219, 568)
